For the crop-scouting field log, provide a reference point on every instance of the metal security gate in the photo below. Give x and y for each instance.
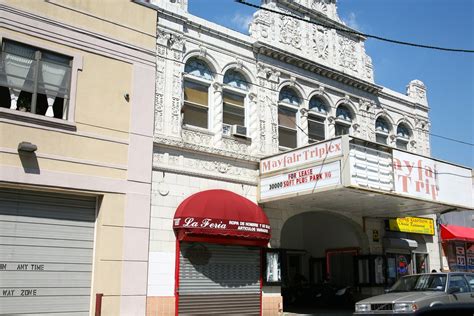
(219, 279)
(46, 246)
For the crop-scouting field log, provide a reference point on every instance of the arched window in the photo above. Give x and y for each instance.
(197, 80)
(403, 136)
(316, 120)
(289, 95)
(235, 79)
(318, 105)
(344, 119)
(198, 68)
(289, 102)
(382, 129)
(235, 90)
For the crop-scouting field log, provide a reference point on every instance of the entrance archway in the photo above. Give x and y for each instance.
(319, 249)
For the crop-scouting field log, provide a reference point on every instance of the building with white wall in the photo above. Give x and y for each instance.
(290, 118)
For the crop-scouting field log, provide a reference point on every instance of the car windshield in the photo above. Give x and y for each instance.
(420, 282)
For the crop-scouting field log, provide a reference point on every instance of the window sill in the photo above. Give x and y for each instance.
(240, 139)
(197, 129)
(25, 117)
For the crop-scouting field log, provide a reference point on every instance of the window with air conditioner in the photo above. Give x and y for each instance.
(234, 93)
(35, 80)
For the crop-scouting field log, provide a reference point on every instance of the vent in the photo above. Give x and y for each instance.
(239, 131)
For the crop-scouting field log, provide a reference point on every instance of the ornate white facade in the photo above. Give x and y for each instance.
(315, 61)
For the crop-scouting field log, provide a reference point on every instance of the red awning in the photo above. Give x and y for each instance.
(221, 214)
(452, 232)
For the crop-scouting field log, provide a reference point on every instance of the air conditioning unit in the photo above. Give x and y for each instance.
(239, 131)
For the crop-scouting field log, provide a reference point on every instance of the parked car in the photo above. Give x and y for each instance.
(413, 293)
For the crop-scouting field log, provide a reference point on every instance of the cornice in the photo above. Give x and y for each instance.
(190, 23)
(413, 104)
(276, 53)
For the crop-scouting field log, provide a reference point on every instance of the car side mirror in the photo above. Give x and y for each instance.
(454, 289)
(387, 290)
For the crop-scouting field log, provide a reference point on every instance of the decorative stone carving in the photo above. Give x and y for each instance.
(320, 42)
(162, 37)
(290, 32)
(347, 53)
(160, 91)
(416, 90)
(233, 145)
(214, 168)
(195, 137)
(262, 23)
(158, 113)
(292, 81)
(320, 5)
(202, 51)
(200, 142)
(175, 115)
(239, 64)
(369, 69)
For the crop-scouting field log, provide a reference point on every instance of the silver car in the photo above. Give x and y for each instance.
(420, 291)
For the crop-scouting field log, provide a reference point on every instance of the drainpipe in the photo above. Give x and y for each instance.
(440, 245)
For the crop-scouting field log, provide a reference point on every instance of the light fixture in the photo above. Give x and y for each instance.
(27, 147)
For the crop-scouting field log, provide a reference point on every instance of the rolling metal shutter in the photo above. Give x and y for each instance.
(219, 279)
(46, 247)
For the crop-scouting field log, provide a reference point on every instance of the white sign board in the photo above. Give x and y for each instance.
(433, 180)
(307, 179)
(314, 153)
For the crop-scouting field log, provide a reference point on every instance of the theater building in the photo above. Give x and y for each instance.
(279, 161)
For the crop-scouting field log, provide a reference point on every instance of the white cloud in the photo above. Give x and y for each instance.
(351, 21)
(241, 21)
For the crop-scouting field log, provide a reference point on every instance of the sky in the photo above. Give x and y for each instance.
(448, 76)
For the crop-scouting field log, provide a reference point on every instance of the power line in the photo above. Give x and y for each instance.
(361, 114)
(356, 32)
(452, 139)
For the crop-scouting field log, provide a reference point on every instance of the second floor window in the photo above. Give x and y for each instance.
(234, 92)
(197, 80)
(288, 105)
(382, 129)
(234, 109)
(403, 136)
(343, 120)
(34, 80)
(316, 120)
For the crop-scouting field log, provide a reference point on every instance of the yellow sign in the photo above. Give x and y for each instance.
(416, 225)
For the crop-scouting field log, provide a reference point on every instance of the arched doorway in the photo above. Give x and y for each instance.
(319, 250)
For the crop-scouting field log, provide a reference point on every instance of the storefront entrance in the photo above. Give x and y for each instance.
(319, 250)
(219, 279)
(220, 239)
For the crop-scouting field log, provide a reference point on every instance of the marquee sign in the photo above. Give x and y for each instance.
(416, 225)
(302, 180)
(314, 153)
(425, 178)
